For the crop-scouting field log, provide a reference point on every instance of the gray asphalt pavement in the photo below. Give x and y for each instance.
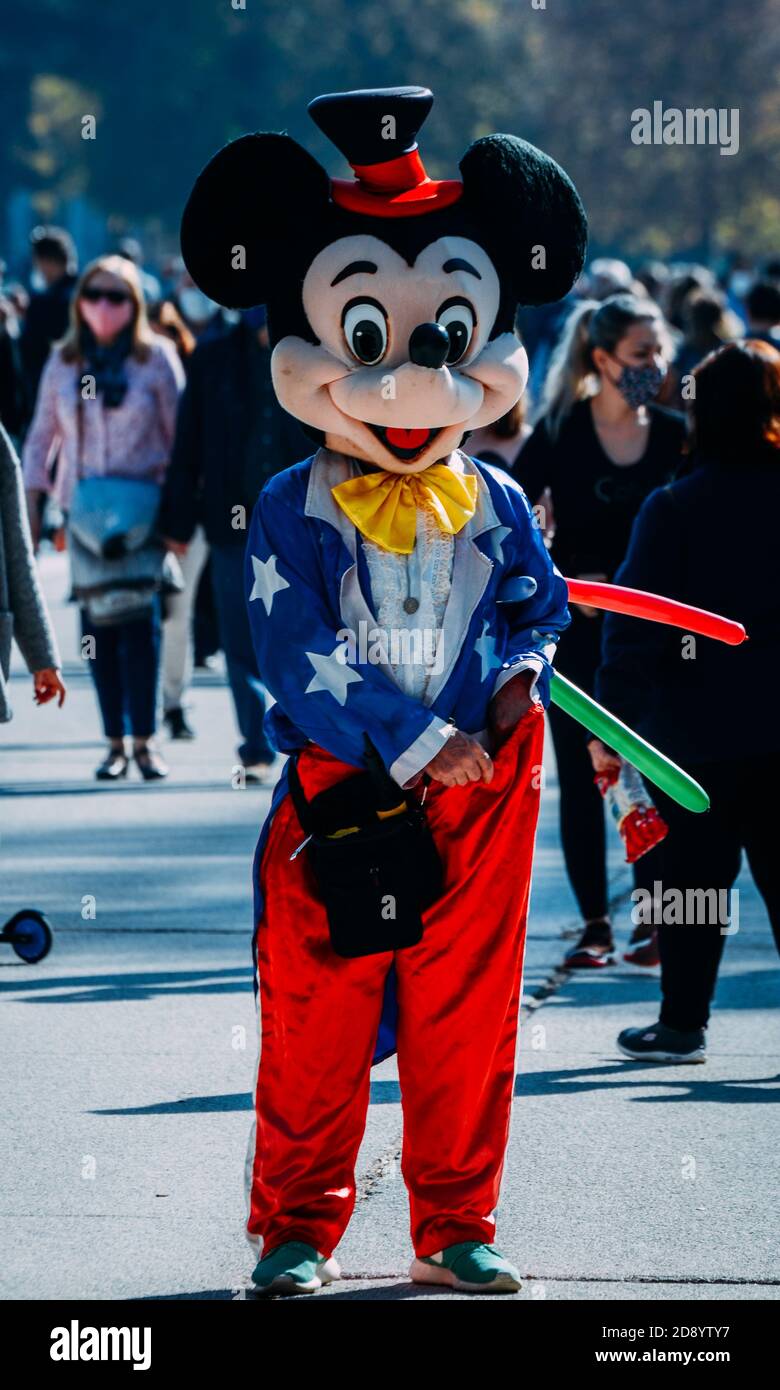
(128, 1057)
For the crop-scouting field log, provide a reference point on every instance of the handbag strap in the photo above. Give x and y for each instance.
(358, 800)
(387, 790)
(298, 798)
(79, 430)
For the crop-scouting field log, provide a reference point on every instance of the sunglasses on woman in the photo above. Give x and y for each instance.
(94, 295)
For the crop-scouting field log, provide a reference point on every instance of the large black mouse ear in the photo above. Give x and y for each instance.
(533, 221)
(245, 215)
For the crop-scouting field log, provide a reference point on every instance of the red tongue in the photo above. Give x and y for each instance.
(406, 439)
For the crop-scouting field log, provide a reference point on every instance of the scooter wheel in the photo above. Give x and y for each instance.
(30, 935)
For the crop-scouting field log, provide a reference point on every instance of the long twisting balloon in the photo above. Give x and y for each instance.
(636, 603)
(655, 766)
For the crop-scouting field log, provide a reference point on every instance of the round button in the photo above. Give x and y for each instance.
(411, 605)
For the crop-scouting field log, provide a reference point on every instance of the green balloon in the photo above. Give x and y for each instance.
(655, 766)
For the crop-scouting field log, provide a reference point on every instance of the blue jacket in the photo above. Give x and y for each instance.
(308, 586)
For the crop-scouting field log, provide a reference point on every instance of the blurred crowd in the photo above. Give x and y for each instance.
(650, 426)
(142, 336)
(703, 309)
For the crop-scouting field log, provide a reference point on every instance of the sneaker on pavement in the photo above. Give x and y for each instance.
(470, 1266)
(593, 950)
(644, 952)
(178, 725)
(641, 933)
(258, 773)
(294, 1268)
(657, 1043)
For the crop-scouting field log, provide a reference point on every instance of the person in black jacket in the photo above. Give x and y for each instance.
(46, 321)
(711, 706)
(600, 447)
(231, 436)
(13, 412)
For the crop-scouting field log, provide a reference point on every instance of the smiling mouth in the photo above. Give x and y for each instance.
(405, 445)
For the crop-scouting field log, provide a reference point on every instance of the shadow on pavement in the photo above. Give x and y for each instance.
(394, 1292)
(546, 1084)
(174, 786)
(222, 1295)
(737, 989)
(102, 989)
(391, 1291)
(381, 1093)
(571, 1081)
(95, 745)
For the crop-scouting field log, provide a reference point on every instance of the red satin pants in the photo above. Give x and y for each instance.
(458, 999)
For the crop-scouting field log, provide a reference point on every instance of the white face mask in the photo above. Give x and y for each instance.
(195, 305)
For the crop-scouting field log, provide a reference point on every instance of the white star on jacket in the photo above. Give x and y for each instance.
(497, 538)
(332, 674)
(267, 581)
(486, 647)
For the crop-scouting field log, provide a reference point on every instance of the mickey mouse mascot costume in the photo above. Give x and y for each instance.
(404, 612)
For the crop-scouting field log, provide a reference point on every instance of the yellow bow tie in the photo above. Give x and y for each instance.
(383, 506)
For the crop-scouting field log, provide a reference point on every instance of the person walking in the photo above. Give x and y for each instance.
(178, 608)
(681, 698)
(108, 400)
(600, 447)
(232, 436)
(709, 323)
(178, 637)
(762, 304)
(13, 399)
(23, 614)
(55, 265)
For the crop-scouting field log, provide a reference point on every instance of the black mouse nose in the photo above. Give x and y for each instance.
(429, 345)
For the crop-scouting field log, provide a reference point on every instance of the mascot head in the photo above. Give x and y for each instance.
(392, 296)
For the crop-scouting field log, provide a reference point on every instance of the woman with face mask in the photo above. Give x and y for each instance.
(601, 446)
(107, 403)
(719, 710)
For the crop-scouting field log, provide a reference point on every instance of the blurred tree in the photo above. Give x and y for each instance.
(598, 61)
(170, 80)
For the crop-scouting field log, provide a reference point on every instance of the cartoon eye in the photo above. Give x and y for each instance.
(458, 318)
(365, 329)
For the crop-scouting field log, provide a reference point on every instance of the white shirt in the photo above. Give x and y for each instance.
(425, 575)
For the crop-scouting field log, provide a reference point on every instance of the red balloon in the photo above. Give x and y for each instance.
(616, 598)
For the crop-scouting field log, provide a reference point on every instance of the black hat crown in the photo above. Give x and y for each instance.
(376, 130)
(374, 125)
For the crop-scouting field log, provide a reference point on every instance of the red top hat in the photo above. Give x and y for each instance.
(376, 131)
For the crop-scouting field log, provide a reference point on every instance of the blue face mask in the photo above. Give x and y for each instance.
(640, 385)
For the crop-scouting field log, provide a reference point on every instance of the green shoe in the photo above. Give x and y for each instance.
(471, 1267)
(294, 1268)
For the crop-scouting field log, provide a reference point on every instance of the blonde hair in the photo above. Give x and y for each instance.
(72, 345)
(573, 376)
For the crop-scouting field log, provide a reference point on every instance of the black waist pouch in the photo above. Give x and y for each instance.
(374, 861)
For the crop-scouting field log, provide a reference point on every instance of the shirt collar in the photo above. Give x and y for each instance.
(329, 468)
